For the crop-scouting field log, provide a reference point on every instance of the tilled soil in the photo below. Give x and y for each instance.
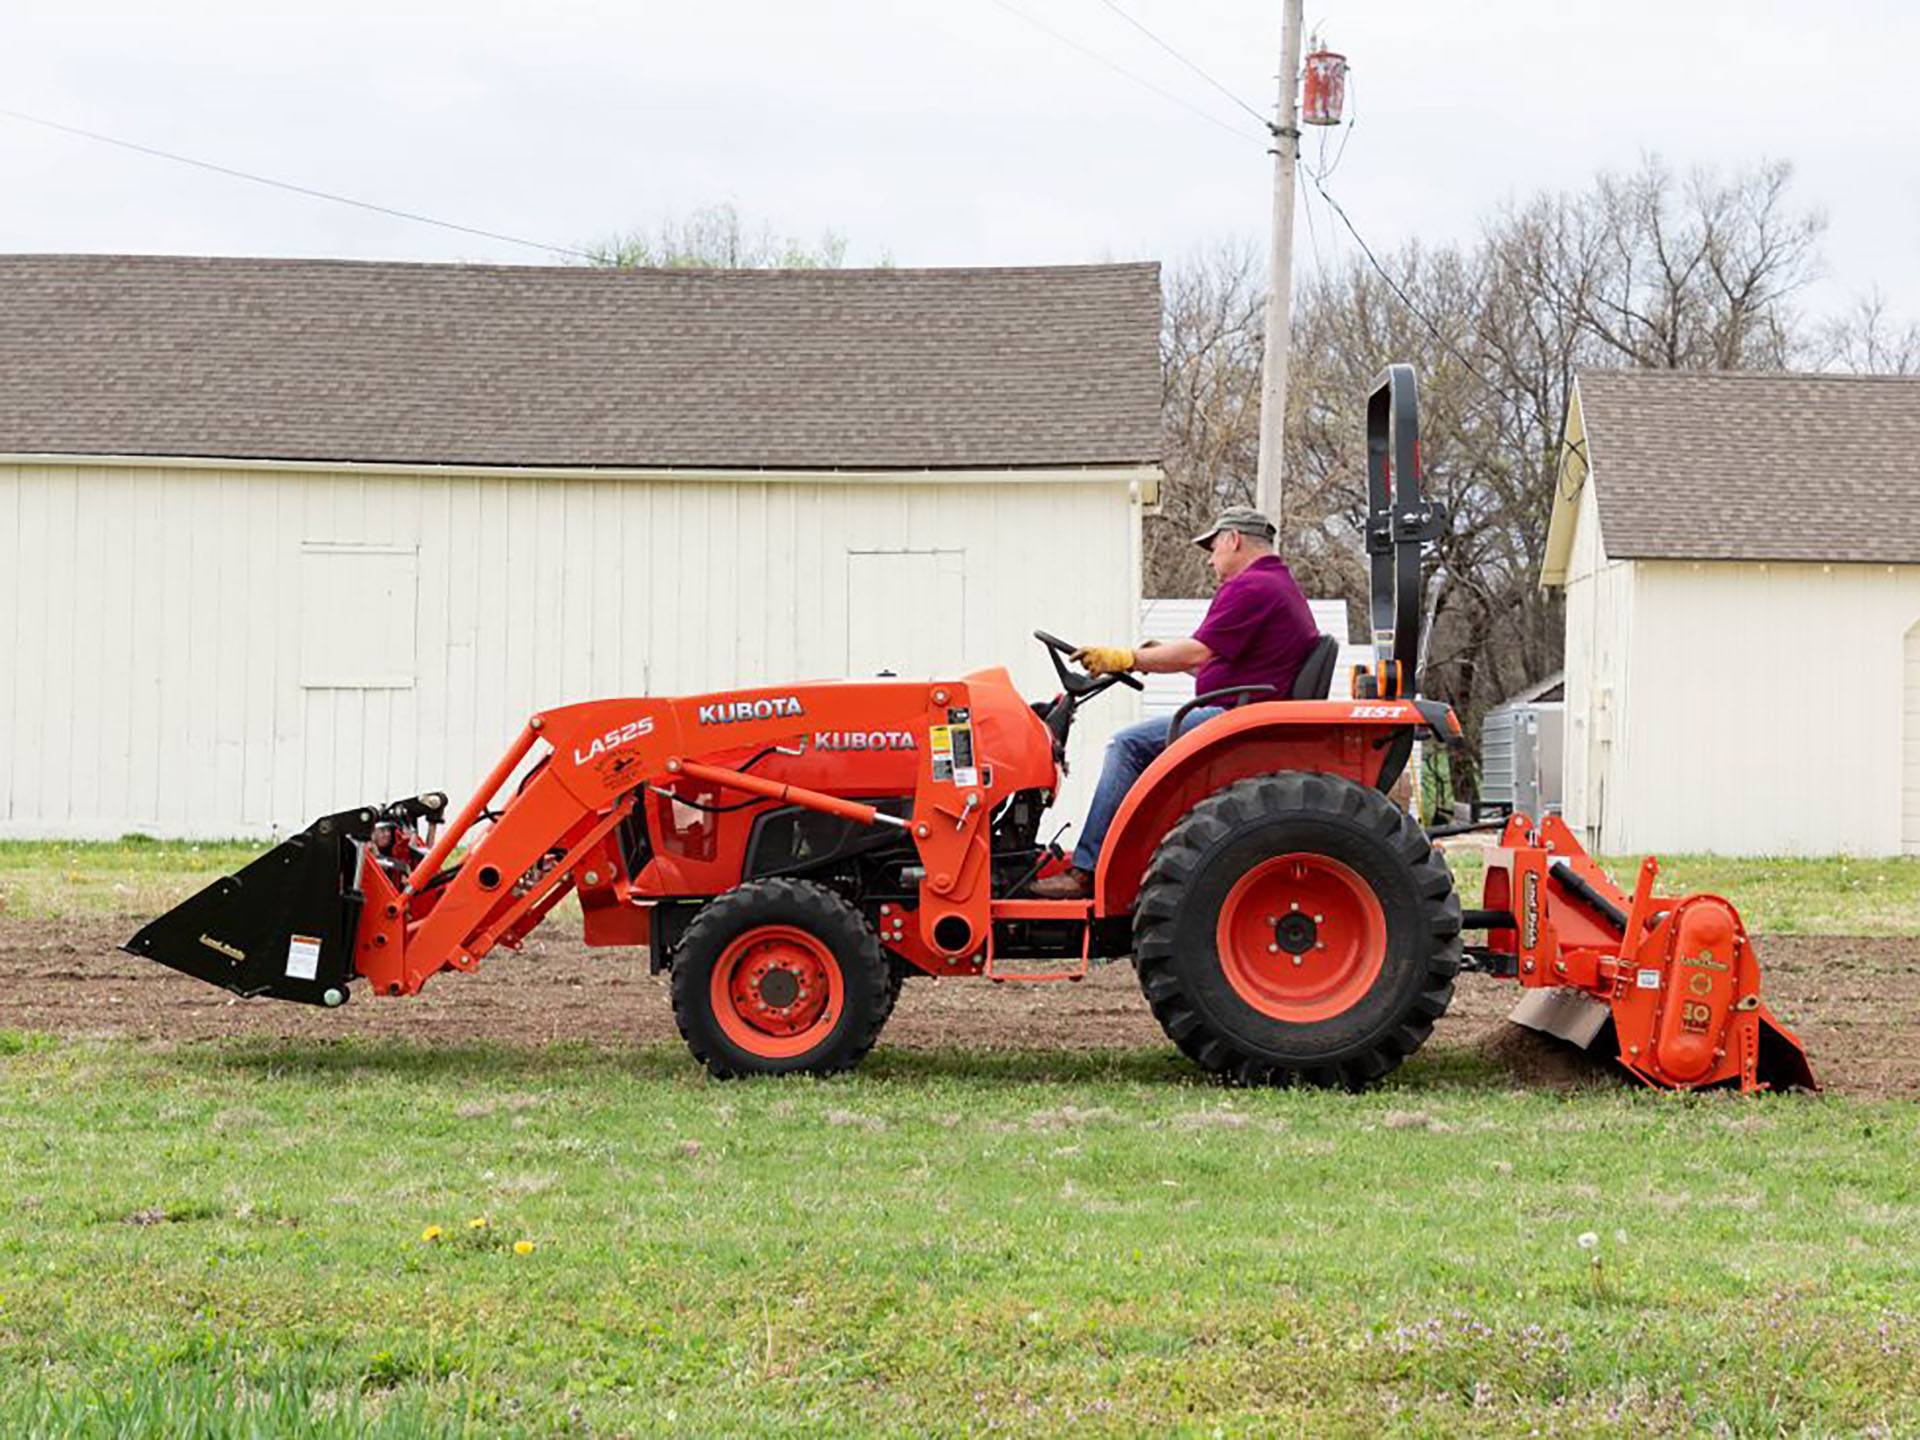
(1855, 1003)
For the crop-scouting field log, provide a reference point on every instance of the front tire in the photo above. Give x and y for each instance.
(779, 977)
(1297, 927)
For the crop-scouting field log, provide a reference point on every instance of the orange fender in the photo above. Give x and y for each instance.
(1334, 737)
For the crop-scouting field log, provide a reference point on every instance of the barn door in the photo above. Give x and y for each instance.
(906, 612)
(1910, 748)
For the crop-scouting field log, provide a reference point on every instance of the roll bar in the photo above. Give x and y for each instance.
(1400, 521)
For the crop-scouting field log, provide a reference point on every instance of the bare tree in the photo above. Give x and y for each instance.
(1638, 270)
(1210, 351)
(1868, 341)
(1686, 275)
(715, 238)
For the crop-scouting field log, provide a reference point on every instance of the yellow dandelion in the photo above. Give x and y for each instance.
(523, 1247)
(431, 1233)
(479, 1222)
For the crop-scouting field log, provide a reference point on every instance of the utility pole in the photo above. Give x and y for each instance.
(1273, 381)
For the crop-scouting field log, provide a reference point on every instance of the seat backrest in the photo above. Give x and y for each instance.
(1315, 680)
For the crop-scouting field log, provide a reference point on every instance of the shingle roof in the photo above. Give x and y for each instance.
(506, 365)
(1741, 466)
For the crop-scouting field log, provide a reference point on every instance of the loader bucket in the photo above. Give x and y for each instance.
(284, 926)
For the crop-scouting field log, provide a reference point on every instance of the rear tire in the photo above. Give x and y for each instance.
(1297, 927)
(779, 977)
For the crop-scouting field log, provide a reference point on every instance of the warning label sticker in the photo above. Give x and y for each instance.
(951, 748)
(964, 772)
(1648, 980)
(953, 751)
(303, 957)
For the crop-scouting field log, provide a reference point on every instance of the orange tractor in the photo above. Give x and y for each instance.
(792, 854)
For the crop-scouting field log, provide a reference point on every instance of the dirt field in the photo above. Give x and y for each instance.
(1855, 1002)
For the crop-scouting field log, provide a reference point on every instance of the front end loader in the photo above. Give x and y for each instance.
(792, 854)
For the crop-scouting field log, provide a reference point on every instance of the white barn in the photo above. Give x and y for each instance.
(1741, 559)
(281, 537)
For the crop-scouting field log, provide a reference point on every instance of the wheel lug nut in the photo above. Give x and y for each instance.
(1319, 919)
(1273, 949)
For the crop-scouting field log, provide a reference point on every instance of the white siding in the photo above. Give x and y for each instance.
(1765, 706)
(1600, 624)
(1762, 709)
(174, 641)
(1910, 759)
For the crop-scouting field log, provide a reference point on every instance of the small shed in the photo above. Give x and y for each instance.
(1741, 559)
(279, 537)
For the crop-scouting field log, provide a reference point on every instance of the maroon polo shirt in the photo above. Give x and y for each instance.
(1259, 629)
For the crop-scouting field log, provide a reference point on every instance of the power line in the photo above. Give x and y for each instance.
(1117, 69)
(295, 189)
(1264, 121)
(1313, 235)
(1404, 298)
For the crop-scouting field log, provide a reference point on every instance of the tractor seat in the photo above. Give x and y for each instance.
(1315, 680)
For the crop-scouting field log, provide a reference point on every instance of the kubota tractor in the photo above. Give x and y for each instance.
(793, 853)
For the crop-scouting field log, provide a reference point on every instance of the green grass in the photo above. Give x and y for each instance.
(226, 1239)
(67, 879)
(1839, 896)
(1827, 896)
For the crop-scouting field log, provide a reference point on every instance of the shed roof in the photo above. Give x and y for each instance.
(579, 366)
(1746, 466)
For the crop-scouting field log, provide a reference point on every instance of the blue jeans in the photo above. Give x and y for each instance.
(1132, 749)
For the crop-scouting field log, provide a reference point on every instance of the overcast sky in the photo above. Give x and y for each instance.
(952, 133)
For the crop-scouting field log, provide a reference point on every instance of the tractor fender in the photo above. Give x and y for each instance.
(1335, 737)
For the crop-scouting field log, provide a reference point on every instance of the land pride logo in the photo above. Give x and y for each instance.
(731, 712)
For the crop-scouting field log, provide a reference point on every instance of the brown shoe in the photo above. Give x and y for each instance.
(1070, 884)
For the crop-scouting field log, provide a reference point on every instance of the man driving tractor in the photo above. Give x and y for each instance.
(1257, 631)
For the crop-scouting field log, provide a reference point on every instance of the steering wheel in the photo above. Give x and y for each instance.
(1077, 685)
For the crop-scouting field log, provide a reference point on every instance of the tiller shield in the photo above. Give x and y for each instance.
(1675, 981)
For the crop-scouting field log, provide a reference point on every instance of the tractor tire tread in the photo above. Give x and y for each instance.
(1179, 861)
(871, 985)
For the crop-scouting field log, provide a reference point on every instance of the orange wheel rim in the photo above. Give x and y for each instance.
(1301, 937)
(777, 991)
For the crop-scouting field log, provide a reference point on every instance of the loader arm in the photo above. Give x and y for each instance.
(404, 908)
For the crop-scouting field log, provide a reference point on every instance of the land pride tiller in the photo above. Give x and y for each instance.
(793, 853)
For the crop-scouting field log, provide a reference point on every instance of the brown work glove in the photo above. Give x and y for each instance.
(1104, 659)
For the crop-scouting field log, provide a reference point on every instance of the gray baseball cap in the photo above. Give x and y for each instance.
(1244, 518)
